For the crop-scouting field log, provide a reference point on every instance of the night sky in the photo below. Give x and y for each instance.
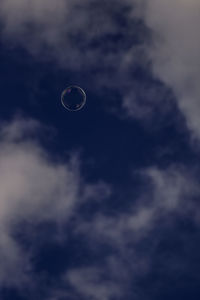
(100, 203)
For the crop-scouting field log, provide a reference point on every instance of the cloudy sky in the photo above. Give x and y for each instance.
(102, 203)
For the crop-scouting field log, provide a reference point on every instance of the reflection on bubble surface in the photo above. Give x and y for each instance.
(73, 98)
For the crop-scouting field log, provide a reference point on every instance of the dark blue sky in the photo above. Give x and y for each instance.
(102, 203)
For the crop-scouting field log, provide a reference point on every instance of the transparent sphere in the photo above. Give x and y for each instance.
(73, 98)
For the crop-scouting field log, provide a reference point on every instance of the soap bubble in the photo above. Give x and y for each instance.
(73, 98)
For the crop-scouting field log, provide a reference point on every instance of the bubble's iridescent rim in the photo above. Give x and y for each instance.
(83, 93)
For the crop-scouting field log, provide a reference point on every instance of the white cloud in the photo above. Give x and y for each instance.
(33, 188)
(29, 180)
(101, 41)
(175, 52)
(15, 267)
(133, 236)
(45, 19)
(61, 30)
(94, 283)
(165, 193)
(84, 36)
